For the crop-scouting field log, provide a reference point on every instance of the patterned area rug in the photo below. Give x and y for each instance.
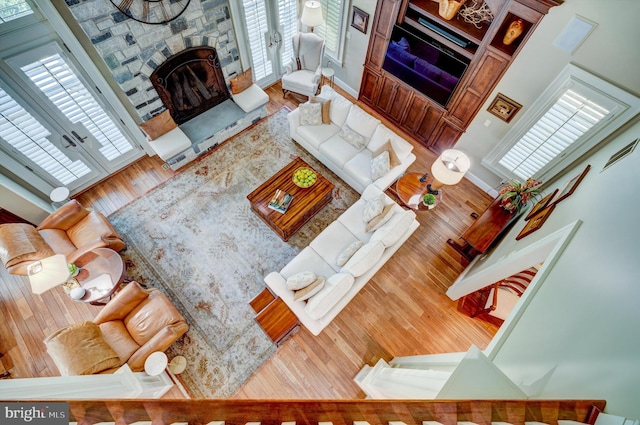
(197, 240)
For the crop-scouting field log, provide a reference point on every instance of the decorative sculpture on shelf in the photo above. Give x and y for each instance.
(449, 8)
(513, 31)
(477, 15)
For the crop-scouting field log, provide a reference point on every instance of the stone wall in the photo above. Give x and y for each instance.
(132, 50)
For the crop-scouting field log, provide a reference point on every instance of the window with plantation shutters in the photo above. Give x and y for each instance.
(573, 115)
(332, 31)
(255, 13)
(563, 124)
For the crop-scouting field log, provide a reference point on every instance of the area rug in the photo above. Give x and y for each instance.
(196, 238)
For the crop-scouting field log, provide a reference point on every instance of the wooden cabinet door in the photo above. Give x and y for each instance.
(393, 98)
(369, 87)
(386, 15)
(421, 118)
(445, 136)
(484, 78)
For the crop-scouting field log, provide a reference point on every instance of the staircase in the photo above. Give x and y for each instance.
(333, 412)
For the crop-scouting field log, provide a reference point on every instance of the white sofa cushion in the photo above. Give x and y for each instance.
(365, 258)
(331, 242)
(334, 289)
(340, 105)
(382, 135)
(359, 168)
(307, 260)
(338, 151)
(361, 122)
(392, 230)
(352, 217)
(317, 134)
(300, 280)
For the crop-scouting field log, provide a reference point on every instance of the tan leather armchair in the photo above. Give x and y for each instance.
(73, 230)
(134, 324)
(137, 322)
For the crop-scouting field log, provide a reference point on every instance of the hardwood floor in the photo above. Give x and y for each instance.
(402, 311)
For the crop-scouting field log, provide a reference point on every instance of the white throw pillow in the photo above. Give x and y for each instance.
(300, 280)
(310, 113)
(361, 122)
(365, 258)
(380, 165)
(392, 231)
(309, 291)
(351, 136)
(348, 252)
(372, 208)
(339, 109)
(378, 221)
(334, 289)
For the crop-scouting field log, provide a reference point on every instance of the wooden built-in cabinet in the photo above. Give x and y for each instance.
(438, 126)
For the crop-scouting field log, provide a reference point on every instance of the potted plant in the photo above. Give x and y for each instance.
(429, 200)
(73, 269)
(515, 195)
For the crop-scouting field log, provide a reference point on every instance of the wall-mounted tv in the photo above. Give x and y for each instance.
(424, 64)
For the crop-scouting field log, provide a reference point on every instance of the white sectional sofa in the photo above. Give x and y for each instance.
(351, 164)
(342, 283)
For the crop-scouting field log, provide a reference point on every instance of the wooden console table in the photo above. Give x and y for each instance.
(484, 231)
(273, 316)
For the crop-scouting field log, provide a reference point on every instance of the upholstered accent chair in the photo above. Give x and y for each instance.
(305, 70)
(133, 324)
(71, 230)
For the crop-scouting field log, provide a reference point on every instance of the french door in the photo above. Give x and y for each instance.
(269, 26)
(54, 124)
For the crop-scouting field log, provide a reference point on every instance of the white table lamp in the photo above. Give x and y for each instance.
(448, 169)
(312, 14)
(48, 273)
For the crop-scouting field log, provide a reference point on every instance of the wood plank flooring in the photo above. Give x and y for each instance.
(402, 311)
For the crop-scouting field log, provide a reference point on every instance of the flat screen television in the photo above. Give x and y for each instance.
(424, 64)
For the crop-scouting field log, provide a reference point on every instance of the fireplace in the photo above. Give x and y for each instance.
(190, 82)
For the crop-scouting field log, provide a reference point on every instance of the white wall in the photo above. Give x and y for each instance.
(583, 325)
(611, 51)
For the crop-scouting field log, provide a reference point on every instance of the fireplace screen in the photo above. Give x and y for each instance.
(190, 82)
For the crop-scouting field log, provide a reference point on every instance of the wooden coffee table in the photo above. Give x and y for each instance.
(305, 204)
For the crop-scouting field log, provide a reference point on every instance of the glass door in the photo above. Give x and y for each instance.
(269, 27)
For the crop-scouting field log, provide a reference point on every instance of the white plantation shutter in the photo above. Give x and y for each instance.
(255, 13)
(563, 124)
(333, 12)
(24, 133)
(573, 115)
(53, 76)
(287, 13)
(13, 9)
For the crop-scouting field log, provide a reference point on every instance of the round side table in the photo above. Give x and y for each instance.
(156, 363)
(328, 74)
(101, 271)
(59, 196)
(410, 191)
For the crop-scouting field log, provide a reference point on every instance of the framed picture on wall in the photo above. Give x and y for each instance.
(535, 222)
(359, 19)
(541, 204)
(571, 186)
(504, 108)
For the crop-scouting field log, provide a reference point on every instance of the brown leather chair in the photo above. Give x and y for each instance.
(71, 230)
(134, 324)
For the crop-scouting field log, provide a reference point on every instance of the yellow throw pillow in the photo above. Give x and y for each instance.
(158, 125)
(241, 82)
(393, 157)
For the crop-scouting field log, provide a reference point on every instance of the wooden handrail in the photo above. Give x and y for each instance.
(339, 412)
